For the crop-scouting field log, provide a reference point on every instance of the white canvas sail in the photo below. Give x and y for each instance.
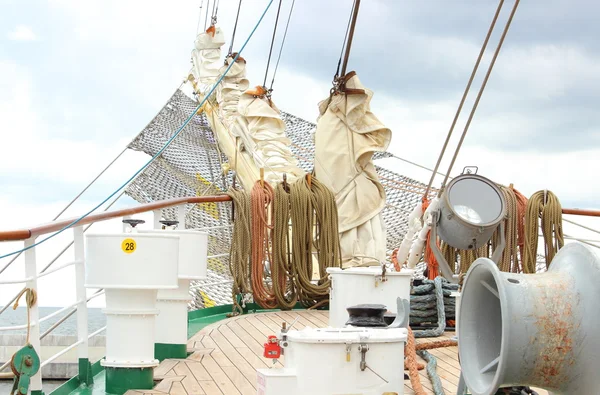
(234, 84)
(206, 57)
(263, 133)
(347, 135)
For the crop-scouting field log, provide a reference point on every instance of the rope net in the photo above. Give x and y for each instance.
(193, 165)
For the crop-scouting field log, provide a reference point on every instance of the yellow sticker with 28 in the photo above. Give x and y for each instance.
(128, 246)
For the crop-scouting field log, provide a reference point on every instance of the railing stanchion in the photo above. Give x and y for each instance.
(85, 374)
(157, 214)
(34, 313)
(181, 214)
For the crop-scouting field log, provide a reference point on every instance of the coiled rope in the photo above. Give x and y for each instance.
(543, 205)
(313, 205)
(282, 260)
(441, 313)
(262, 213)
(239, 254)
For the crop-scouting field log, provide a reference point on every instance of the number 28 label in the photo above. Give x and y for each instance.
(128, 246)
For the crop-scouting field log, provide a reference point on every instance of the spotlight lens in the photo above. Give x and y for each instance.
(468, 214)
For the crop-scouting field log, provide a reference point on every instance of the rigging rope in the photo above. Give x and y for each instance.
(199, 17)
(215, 11)
(479, 94)
(545, 206)
(160, 151)
(282, 261)
(239, 256)
(206, 15)
(282, 43)
(464, 97)
(272, 42)
(237, 16)
(261, 198)
(337, 71)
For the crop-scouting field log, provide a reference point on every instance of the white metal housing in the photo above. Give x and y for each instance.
(359, 285)
(328, 361)
(131, 279)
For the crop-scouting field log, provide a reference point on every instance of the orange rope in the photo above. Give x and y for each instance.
(397, 265)
(429, 258)
(437, 344)
(262, 209)
(410, 353)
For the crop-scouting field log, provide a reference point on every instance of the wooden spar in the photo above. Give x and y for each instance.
(350, 35)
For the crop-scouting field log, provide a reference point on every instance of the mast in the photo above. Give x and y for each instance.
(350, 36)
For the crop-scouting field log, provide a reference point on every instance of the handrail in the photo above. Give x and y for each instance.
(24, 234)
(577, 211)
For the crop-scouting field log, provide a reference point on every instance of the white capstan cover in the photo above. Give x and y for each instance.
(206, 58)
(262, 131)
(347, 135)
(233, 85)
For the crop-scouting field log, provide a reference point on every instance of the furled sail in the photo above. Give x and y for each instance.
(262, 131)
(347, 135)
(206, 57)
(234, 84)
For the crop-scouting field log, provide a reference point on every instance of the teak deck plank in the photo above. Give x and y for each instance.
(227, 353)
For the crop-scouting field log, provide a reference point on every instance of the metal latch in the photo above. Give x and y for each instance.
(363, 348)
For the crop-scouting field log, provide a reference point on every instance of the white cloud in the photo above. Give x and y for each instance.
(22, 33)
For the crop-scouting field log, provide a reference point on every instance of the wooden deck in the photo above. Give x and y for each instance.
(227, 353)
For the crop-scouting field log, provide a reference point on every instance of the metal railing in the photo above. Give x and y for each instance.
(31, 275)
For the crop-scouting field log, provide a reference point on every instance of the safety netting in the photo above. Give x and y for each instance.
(192, 165)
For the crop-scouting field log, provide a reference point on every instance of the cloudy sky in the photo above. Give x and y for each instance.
(78, 80)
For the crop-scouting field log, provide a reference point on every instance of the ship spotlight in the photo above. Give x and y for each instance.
(470, 210)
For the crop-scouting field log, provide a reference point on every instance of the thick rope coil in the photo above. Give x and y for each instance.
(546, 206)
(261, 198)
(313, 205)
(440, 313)
(282, 260)
(239, 255)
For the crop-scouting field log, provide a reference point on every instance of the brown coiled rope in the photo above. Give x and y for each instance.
(313, 205)
(239, 255)
(550, 214)
(282, 260)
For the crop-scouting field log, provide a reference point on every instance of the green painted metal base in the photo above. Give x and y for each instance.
(164, 351)
(85, 372)
(37, 392)
(121, 380)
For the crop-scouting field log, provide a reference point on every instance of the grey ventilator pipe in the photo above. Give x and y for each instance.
(537, 330)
